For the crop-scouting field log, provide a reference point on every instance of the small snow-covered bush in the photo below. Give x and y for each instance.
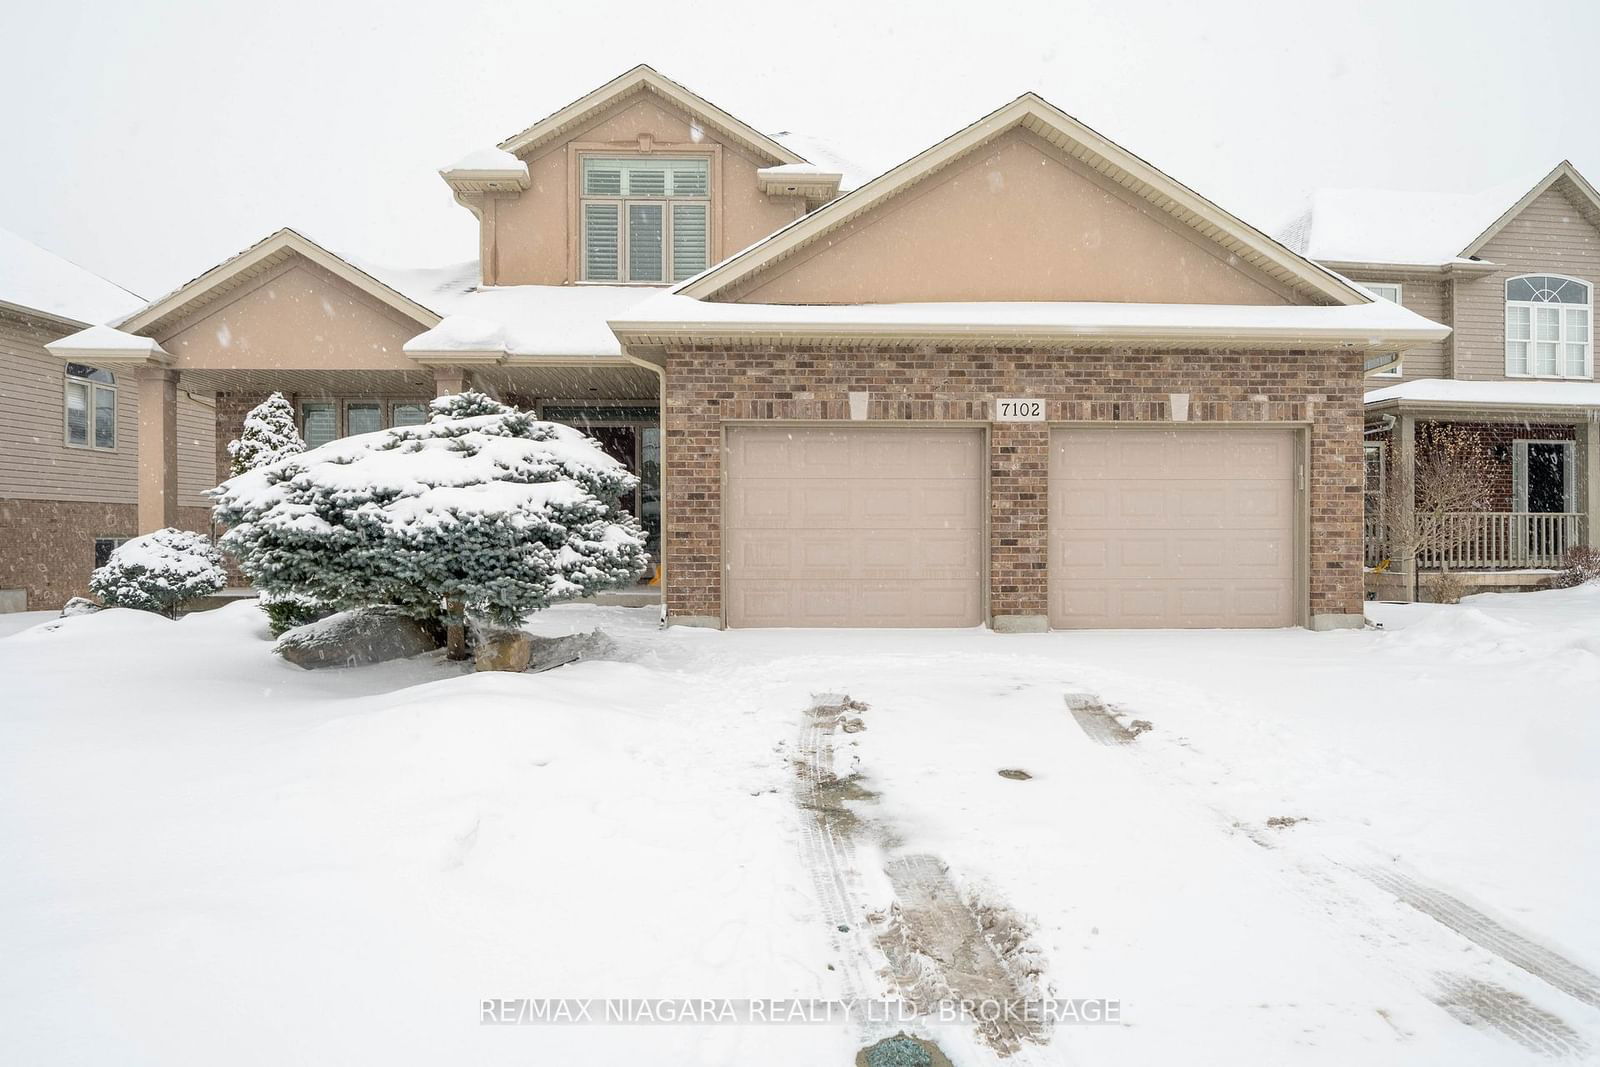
(287, 611)
(497, 515)
(159, 571)
(268, 435)
(465, 405)
(1580, 566)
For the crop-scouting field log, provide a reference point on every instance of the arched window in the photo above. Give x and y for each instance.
(1547, 327)
(91, 407)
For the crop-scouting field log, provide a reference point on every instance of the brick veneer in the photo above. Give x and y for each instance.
(47, 546)
(1489, 435)
(707, 385)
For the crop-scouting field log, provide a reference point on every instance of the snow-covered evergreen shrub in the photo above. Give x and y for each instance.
(500, 513)
(286, 611)
(268, 435)
(465, 405)
(159, 571)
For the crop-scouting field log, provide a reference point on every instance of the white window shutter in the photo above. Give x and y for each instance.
(690, 240)
(601, 255)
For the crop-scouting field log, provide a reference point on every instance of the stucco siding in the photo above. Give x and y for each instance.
(533, 234)
(1550, 236)
(1016, 219)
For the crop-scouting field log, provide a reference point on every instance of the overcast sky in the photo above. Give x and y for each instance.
(148, 140)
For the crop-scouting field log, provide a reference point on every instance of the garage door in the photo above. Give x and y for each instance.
(1185, 528)
(854, 526)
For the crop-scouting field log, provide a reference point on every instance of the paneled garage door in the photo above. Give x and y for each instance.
(854, 526)
(1172, 528)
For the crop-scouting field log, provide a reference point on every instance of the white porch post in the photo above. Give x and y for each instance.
(448, 381)
(1405, 469)
(1589, 473)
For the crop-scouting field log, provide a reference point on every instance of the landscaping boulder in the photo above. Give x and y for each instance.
(354, 638)
(79, 605)
(504, 650)
(548, 652)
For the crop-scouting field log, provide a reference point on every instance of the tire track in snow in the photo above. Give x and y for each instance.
(1469, 1000)
(931, 946)
(1543, 963)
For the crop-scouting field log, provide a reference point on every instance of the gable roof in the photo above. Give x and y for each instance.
(1565, 175)
(1039, 116)
(645, 79)
(260, 257)
(33, 279)
(1385, 226)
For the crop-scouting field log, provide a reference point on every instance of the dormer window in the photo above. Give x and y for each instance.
(645, 219)
(1547, 327)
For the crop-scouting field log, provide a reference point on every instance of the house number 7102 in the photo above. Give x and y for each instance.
(1019, 410)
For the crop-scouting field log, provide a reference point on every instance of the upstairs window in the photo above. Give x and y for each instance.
(645, 219)
(1389, 291)
(1547, 327)
(91, 407)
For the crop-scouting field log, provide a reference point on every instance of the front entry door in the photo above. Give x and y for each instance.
(1542, 475)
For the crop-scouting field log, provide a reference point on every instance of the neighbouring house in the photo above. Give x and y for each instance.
(70, 433)
(1513, 271)
(1024, 379)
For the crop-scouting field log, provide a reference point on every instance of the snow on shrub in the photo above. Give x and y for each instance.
(159, 571)
(269, 434)
(465, 405)
(499, 513)
(1580, 566)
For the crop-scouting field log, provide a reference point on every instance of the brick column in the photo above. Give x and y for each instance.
(158, 448)
(1019, 527)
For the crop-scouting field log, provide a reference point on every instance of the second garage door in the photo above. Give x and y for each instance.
(854, 526)
(1188, 528)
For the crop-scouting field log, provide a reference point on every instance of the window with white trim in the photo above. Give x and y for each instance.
(90, 407)
(1548, 319)
(1389, 291)
(322, 421)
(644, 219)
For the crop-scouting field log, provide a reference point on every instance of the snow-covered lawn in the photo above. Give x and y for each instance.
(213, 856)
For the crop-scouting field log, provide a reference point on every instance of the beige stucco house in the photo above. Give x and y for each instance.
(1513, 271)
(1024, 379)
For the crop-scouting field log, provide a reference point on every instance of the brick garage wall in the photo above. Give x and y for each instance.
(707, 385)
(47, 546)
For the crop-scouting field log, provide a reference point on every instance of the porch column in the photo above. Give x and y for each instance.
(158, 448)
(1405, 472)
(450, 380)
(1589, 477)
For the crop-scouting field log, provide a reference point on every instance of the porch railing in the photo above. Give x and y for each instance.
(1493, 540)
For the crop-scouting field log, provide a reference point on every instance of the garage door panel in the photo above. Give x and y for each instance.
(1187, 528)
(854, 526)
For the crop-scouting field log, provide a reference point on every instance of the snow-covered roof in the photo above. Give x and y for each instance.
(529, 320)
(825, 156)
(488, 161)
(106, 344)
(1491, 394)
(37, 280)
(1390, 226)
(1376, 324)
